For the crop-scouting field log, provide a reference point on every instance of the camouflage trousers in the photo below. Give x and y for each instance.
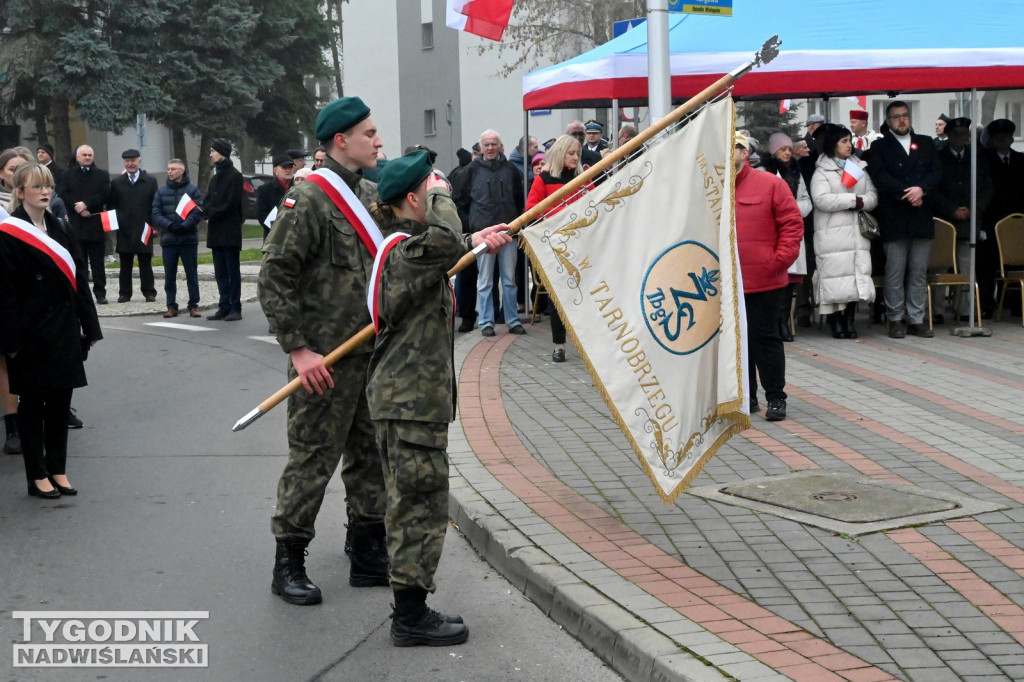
(324, 430)
(416, 470)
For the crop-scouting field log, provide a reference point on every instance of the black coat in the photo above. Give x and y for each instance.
(268, 197)
(44, 318)
(223, 207)
(92, 187)
(173, 230)
(134, 205)
(955, 190)
(893, 171)
(490, 192)
(1007, 185)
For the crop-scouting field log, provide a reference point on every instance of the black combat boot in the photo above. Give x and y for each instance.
(290, 580)
(12, 443)
(369, 558)
(849, 321)
(414, 623)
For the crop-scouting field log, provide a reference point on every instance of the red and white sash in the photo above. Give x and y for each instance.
(373, 291)
(29, 234)
(350, 206)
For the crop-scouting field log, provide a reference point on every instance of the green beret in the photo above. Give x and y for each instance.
(339, 116)
(402, 175)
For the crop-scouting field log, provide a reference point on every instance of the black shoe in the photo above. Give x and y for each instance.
(73, 421)
(150, 299)
(558, 355)
(920, 330)
(123, 299)
(850, 321)
(755, 406)
(63, 490)
(34, 491)
(413, 623)
(369, 567)
(233, 317)
(12, 445)
(835, 323)
(101, 300)
(290, 580)
(776, 410)
(785, 332)
(803, 321)
(219, 315)
(896, 330)
(467, 324)
(518, 330)
(487, 331)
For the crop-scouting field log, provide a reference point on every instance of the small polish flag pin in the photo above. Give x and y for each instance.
(289, 202)
(109, 219)
(852, 173)
(147, 234)
(185, 206)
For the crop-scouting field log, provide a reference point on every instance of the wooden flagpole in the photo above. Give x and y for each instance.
(768, 52)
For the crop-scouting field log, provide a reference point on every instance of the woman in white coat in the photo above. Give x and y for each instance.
(840, 189)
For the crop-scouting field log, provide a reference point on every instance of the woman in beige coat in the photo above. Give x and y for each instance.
(840, 189)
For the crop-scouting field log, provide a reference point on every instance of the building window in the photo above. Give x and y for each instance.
(430, 122)
(427, 33)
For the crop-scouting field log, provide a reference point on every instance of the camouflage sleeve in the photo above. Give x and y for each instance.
(294, 243)
(417, 264)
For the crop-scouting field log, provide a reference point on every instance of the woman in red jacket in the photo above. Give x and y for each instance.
(561, 165)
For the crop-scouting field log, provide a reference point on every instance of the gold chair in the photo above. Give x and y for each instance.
(942, 260)
(1010, 238)
(538, 291)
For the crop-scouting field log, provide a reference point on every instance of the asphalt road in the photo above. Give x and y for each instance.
(174, 515)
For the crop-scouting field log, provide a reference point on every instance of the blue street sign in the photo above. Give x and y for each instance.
(620, 27)
(716, 8)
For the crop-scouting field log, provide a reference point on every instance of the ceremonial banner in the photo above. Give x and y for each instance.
(645, 273)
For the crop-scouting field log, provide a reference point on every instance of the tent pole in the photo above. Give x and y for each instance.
(974, 327)
(526, 192)
(616, 124)
(658, 74)
(767, 53)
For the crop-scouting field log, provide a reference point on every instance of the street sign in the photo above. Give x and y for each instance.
(620, 27)
(717, 8)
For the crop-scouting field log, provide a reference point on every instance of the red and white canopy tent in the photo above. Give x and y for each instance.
(829, 48)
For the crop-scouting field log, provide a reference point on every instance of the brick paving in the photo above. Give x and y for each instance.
(548, 490)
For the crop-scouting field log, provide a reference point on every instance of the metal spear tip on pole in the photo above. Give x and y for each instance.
(247, 419)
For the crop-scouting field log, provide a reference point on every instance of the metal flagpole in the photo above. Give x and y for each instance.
(974, 326)
(527, 162)
(659, 92)
(767, 53)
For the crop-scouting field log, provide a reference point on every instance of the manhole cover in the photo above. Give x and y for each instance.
(844, 503)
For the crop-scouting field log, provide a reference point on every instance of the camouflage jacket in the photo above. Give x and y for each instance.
(412, 371)
(315, 271)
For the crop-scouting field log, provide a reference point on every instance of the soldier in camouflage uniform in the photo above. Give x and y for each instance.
(411, 387)
(312, 287)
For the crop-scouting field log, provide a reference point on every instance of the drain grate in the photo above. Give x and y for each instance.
(844, 503)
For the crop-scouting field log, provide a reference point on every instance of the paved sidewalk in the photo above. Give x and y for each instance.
(208, 293)
(546, 488)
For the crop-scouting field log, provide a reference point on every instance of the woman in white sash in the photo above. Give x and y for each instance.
(49, 322)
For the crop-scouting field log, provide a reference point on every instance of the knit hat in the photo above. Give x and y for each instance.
(777, 141)
(46, 147)
(464, 156)
(222, 146)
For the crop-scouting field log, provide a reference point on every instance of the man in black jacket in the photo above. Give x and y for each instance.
(905, 169)
(223, 208)
(86, 188)
(269, 195)
(1006, 167)
(131, 195)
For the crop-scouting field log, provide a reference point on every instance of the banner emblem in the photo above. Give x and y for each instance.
(680, 295)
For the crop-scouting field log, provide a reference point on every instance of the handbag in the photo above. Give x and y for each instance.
(868, 225)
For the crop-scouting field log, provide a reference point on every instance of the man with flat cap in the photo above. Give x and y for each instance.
(131, 195)
(411, 384)
(223, 208)
(317, 263)
(298, 156)
(269, 195)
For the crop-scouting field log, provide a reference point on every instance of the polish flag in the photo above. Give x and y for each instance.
(147, 234)
(784, 105)
(185, 206)
(109, 219)
(485, 18)
(852, 173)
(860, 100)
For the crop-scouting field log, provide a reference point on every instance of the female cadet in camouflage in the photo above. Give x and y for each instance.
(411, 384)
